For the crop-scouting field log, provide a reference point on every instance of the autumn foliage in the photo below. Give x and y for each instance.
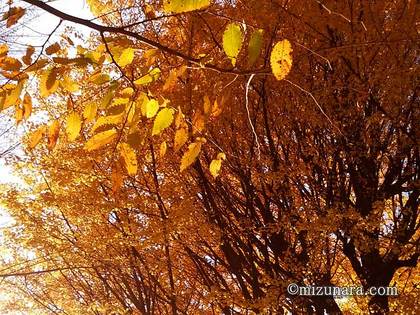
(197, 157)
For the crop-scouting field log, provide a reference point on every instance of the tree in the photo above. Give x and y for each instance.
(200, 156)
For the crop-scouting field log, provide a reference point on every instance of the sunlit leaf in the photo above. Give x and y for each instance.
(162, 149)
(216, 164)
(27, 106)
(126, 57)
(181, 137)
(232, 41)
(281, 59)
(73, 126)
(163, 120)
(48, 83)
(4, 49)
(53, 132)
(150, 77)
(179, 6)
(100, 139)
(89, 112)
(191, 155)
(99, 78)
(36, 136)
(108, 120)
(150, 108)
(129, 157)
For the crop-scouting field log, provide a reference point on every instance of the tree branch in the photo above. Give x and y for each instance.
(121, 30)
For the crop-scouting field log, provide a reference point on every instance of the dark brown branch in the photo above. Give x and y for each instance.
(121, 30)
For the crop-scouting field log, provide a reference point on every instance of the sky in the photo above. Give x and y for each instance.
(34, 33)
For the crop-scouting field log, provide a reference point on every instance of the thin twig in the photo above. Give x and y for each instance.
(249, 116)
(316, 102)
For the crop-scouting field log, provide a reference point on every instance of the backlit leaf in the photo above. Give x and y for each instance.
(4, 49)
(162, 149)
(232, 41)
(191, 155)
(150, 77)
(126, 57)
(129, 157)
(73, 126)
(150, 108)
(89, 112)
(281, 59)
(100, 139)
(36, 136)
(254, 47)
(27, 59)
(27, 106)
(99, 78)
(181, 137)
(53, 132)
(179, 6)
(216, 164)
(10, 64)
(48, 82)
(52, 49)
(108, 120)
(13, 15)
(163, 120)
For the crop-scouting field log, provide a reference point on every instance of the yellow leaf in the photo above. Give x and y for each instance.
(181, 137)
(48, 82)
(41, 63)
(12, 96)
(99, 78)
(126, 57)
(191, 155)
(73, 126)
(198, 122)
(18, 115)
(216, 110)
(179, 6)
(4, 49)
(174, 74)
(108, 120)
(150, 108)
(281, 59)
(89, 112)
(254, 47)
(36, 137)
(69, 85)
(150, 77)
(52, 49)
(53, 132)
(179, 120)
(232, 41)
(27, 106)
(117, 179)
(206, 105)
(216, 164)
(100, 139)
(163, 120)
(130, 158)
(127, 92)
(162, 149)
